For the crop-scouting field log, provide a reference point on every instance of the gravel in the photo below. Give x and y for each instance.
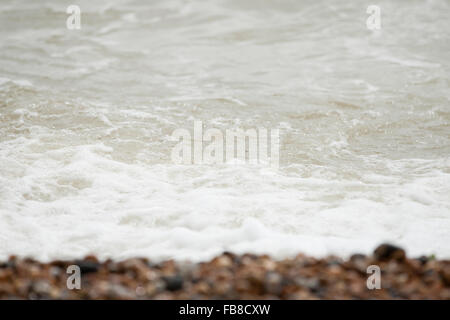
(231, 276)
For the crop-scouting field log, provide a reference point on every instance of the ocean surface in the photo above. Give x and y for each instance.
(87, 116)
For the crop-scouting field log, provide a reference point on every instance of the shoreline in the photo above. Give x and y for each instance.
(232, 276)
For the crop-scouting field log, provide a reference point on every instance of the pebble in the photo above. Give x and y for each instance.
(231, 276)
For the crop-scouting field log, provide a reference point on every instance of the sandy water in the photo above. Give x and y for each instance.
(86, 118)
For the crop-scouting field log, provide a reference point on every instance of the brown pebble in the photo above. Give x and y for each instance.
(230, 276)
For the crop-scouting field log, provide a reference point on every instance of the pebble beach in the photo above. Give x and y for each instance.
(237, 149)
(231, 276)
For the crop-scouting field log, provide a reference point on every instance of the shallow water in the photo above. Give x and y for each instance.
(86, 118)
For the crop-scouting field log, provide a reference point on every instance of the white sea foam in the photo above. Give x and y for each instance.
(86, 119)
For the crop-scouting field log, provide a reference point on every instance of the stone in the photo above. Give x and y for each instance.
(387, 251)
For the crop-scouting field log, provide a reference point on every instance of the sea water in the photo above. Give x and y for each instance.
(87, 117)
